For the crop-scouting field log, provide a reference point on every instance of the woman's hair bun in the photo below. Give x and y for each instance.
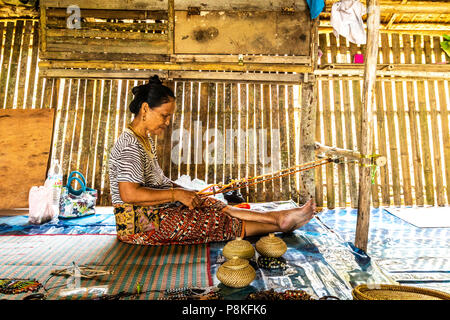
(153, 92)
(154, 80)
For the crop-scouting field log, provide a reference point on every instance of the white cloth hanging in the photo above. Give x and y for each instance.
(346, 20)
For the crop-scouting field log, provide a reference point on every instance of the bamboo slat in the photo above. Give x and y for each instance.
(60, 125)
(382, 149)
(291, 110)
(423, 126)
(235, 143)
(328, 137)
(439, 184)
(243, 138)
(187, 129)
(203, 118)
(110, 141)
(267, 155)
(87, 128)
(47, 94)
(227, 126)
(412, 114)
(251, 142)
(80, 110)
(392, 132)
(99, 165)
(221, 115)
(211, 153)
(23, 64)
(275, 154)
(14, 64)
(195, 154)
(97, 109)
(71, 112)
(169, 163)
(33, 66)
(284, 138)
(7, 48)
(443, 109)
(402, 118)
(259, 165)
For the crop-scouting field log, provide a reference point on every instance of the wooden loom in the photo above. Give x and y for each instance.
(377, 161)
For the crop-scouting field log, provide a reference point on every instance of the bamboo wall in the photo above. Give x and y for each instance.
(411, 119)
(412, 123)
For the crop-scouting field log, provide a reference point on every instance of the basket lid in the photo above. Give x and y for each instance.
(272, 240)
(236, 263)
(238, 243)
(395, 292)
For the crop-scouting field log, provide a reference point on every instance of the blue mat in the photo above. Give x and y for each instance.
(318, 261)
(94, 224)
(410, 255)
(322, 259)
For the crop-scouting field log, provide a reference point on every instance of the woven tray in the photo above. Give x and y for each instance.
(393, 292)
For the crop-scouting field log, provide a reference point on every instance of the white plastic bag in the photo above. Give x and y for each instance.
(40, 205)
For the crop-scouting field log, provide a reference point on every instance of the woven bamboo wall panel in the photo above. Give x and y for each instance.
(412, 125)
(218, 131)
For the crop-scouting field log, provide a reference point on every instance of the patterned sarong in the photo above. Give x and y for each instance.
(176, 225)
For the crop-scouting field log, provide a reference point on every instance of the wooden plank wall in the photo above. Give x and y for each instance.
(412, 123)
(412, 126)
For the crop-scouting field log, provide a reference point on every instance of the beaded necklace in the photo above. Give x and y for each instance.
(146, 144)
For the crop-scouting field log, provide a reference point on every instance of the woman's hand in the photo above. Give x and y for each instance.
(187, 197)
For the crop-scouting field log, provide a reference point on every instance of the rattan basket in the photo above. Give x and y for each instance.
(271, 246)
(236, 273)
(240, 248)
(393, 292)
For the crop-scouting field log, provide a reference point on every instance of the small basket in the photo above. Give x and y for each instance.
(236, 273)
(393, 292)
(271, 246)
(240, 248)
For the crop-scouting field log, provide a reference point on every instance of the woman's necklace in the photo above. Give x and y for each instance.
(145, 142)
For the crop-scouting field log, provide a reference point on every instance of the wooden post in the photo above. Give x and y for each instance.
(171, 26)
(308, 120)
(370, 67)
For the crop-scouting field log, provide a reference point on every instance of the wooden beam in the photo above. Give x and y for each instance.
(172, 66)
(180, 4)
(174, 75)
(43, 26)
(366, 131)
(233, 58)
(79, 33)
(435, 32)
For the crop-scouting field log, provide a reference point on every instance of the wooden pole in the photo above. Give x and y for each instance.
(370, 68)
(308, 121)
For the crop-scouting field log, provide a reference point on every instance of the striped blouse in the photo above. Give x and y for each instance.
(129, 162)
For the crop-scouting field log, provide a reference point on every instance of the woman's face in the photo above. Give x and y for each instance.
(158, 119)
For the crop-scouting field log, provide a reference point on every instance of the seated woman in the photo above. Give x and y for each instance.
(150, 209)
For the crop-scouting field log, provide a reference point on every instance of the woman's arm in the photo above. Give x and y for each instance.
(134, 193)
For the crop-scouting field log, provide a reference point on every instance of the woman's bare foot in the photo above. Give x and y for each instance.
(295, 218)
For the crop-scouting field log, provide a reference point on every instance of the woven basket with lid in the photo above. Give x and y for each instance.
(240, 248)
(236, 273)
(393, 292)
(271, 246)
